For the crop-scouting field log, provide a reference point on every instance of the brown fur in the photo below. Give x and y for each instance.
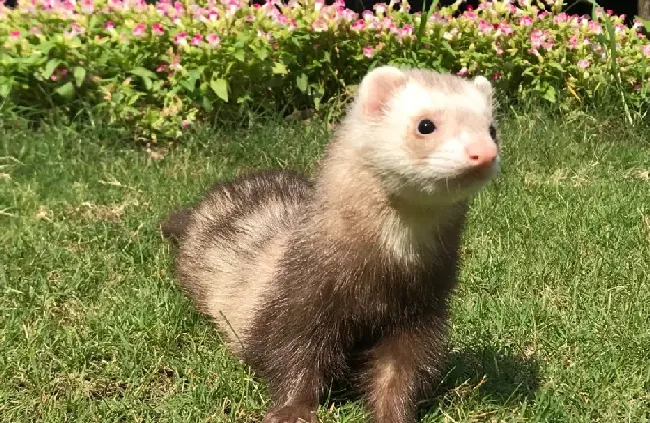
(327, 300)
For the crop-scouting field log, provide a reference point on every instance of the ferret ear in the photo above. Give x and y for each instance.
(484, 86)
(377, 87)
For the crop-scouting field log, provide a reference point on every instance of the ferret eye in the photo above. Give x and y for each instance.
(493, 132)
(425, 127)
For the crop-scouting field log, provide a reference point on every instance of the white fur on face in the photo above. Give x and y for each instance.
(431, 164)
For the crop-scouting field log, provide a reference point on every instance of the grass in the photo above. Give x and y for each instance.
(550, 322)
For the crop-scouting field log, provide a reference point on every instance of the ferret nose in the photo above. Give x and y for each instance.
(481, 153)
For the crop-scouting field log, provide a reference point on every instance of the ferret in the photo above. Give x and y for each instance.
(345, 277)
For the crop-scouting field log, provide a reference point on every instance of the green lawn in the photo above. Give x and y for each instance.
(551, 322)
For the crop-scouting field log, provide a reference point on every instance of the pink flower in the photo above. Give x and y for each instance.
(359, 25)
(539, 39)
(484, 26)
(463, 71)
(87, 7)
(213, 15)
(109, 26)
(180, 38)
(583, 64)
(496, 76)
(498, 49)
(368, 51)
(526, 21)
(75, 30)
(348, 15)
(162, 67)
(157, 29)
(319, 25)
(196, 40)
(406, 31)
(185, 123)
(213, 39)
(646, 50)
(380, 8)
(14, 35)
(560, 18)
(595, 27)
(282, 19)
(506, 29)
(367, 15)
(573, 42)
(176, 63)
(139, 30)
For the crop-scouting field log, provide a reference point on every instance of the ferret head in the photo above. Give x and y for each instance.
(429, 136)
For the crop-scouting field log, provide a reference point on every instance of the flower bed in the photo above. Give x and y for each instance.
(160, 67)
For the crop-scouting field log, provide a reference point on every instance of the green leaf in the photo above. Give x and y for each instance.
(66, 90)
(243, 99)
(239, 54)
(262, 53)
(50, 66)
(142, 72)
(206, 104)
(220, 88)
(79, 75)
(279, 68)
(302, 82)
(5, 88)
(549, 94)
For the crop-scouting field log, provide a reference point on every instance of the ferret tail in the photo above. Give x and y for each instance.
(174, 227)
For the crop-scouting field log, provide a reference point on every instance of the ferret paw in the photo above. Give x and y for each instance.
(291, 414)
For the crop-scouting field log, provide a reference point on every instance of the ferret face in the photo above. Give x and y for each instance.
(432, 138)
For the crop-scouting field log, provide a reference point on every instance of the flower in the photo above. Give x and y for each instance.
(560, 18)
(505, 29)
(573, 42)
(539, 38)
(406, 31)
(359, 25)
(196, 40)
(109, 26)
(525, 21)
(212, 39)
(139, 30)
(595, 27)
(368, 51)
(213, 15)
(463, 71)
(319, 25)
(157, 29)
(75, 29)
(14, 35)
(484, 26)
(162, 67)
(87, 7)
(583, 64)
(180, 38)
(646, 50)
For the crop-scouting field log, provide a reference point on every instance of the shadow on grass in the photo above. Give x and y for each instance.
(481, 374)
(485, 374)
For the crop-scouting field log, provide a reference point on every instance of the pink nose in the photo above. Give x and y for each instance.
(481, 153)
